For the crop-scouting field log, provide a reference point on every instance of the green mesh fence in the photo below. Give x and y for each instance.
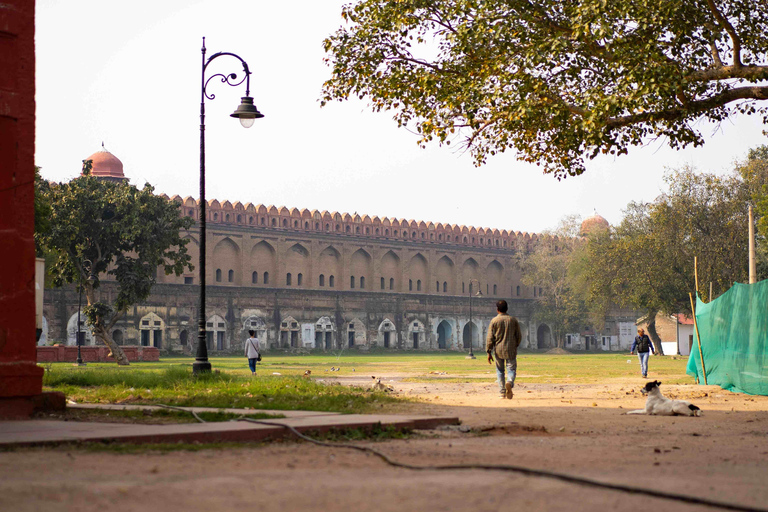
(734, 340)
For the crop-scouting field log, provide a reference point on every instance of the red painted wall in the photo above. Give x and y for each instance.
(19, 375)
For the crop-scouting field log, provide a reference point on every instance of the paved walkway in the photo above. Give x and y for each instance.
(42, 432)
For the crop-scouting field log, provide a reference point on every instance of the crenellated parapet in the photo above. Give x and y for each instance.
(336, 223)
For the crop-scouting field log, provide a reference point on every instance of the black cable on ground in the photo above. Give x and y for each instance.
(525, 471)
(198, 418)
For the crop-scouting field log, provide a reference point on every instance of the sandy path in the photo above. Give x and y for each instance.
(575, 429)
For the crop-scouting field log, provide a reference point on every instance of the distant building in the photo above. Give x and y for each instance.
(327, 280)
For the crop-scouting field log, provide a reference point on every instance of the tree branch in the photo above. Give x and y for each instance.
(715, 54)
(112, 321)
(693, 107)
(731, 32)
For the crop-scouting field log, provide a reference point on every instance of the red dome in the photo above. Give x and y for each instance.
(594, 224)
(106, 165)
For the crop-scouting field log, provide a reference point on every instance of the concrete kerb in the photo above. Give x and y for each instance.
(53, 432)
(127, 407)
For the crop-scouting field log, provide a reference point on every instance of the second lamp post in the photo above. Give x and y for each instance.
(471, 325)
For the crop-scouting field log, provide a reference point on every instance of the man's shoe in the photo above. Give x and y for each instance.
(508, 387)
(503, 396)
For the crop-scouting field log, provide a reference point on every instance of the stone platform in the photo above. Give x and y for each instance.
(52, 432)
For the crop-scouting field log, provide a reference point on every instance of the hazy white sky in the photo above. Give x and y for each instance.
(128, 74)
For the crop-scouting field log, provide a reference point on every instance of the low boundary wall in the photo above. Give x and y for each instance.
(68, 354)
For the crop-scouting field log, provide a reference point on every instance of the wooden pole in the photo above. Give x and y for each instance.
(710, 292)
(696, 273)
(698, 339)
(752, 266)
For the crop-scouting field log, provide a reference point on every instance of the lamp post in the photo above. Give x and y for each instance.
(86, 265)
(247, 113)
(471, 325)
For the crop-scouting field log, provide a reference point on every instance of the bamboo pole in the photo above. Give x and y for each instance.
(698, 339)
(696, 273)
(752, 266)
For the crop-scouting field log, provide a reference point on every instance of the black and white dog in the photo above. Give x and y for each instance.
(656, 404)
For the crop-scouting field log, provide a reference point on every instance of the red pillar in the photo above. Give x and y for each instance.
(20, 377)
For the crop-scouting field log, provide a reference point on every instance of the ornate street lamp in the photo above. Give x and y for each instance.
(247, 113)
(471, 325)
(87, 266)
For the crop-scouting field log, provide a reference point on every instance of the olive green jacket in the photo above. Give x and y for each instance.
(503, 336)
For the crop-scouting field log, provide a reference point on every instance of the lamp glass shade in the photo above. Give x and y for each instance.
(247, 112)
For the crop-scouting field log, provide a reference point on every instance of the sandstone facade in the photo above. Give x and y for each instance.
(308, 279)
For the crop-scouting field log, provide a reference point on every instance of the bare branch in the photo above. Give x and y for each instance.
(731, 32)
(715, 54)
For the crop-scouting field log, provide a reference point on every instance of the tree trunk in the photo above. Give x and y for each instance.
(653, 334)
(114, 348)
(101, 330)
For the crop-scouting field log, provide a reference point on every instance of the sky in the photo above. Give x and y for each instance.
(128, 74)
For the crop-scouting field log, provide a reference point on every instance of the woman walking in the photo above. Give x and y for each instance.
(252, 348)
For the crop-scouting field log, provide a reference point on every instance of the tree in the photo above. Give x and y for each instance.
(124, 232)
(551, 268)
(754, 173)
(647, 261)
(558, 81)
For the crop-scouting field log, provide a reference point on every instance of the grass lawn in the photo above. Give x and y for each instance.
(280, 384)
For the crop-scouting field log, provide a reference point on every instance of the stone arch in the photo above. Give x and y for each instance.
(297, 261)
(226, 257)
(387, 337)
(263, 260)
(151, 331)
(444, 334)
(86, 334)
(444, 274)
(328, 264)
(189, 276)
(216, 333)
(44, 333)
(416, 335)
(117, 336)
(256, 323)
(494, 273)
(184, 339)
(324, 333)
(469, 270)
(471, 335)
(391, 271)
(356, 333)
(290, 333)
(360, 269)
(543, 337)
(417, 272)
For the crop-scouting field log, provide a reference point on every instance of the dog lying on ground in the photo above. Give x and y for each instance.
(379, 386)
(658, 405)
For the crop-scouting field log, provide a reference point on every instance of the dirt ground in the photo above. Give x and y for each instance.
(578, 430)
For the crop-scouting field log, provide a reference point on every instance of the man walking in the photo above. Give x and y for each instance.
(643, 344)
(503, 339)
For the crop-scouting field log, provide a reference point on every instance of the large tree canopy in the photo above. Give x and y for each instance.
(97, 227)
(557, 81)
